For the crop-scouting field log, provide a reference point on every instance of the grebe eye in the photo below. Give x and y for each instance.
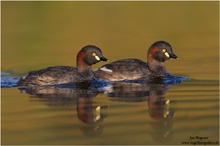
(96, 57)
(166, 53)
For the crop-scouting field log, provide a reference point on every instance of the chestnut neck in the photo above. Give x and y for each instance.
(81, 64)
(155, 66)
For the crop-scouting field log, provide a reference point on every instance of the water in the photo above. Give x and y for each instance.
(177, 112)
(153, 113)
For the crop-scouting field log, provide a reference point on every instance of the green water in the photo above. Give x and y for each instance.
(40, 34)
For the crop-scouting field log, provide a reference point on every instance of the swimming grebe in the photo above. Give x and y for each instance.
(86, 57)
(135, 69)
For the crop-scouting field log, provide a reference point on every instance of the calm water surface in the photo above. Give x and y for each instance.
(40, 34)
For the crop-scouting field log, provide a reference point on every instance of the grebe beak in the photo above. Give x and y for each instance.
(172, 55)
(103, 58)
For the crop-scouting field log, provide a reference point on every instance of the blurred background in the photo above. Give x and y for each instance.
(40, 34)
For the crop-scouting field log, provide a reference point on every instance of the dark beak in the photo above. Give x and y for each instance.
(103, 58)
(172, 55)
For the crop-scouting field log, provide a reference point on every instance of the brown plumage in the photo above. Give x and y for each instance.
(87, 56)
(135, 69)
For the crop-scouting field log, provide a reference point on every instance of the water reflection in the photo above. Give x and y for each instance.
(162, 130)
(86, 111)
(93, 114)
(159, 108)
